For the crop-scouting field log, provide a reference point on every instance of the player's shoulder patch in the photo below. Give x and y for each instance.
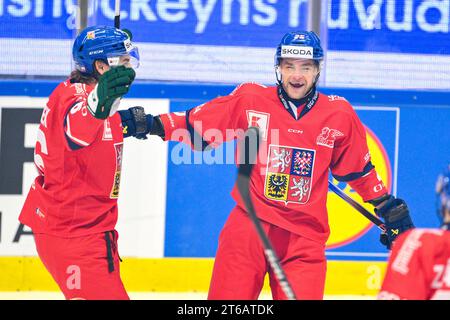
(79, 88)
(248, 87)
(340, 103)
(64, 89)
(333, 97)
(72, 91)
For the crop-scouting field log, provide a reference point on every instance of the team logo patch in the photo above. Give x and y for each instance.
(259, 120)
(327, 137)
(90, 35)
(116, 183)
(289, 174)
(336, 98)
(107, 133)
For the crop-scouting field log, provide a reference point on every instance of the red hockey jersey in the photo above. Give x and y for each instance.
(419, 266)
(289, 183)
(79, 159)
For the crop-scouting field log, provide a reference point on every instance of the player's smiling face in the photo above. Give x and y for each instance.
(298, 76)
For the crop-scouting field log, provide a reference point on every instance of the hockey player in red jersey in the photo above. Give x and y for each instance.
(304, 135)
(72, 204)
(419, 264)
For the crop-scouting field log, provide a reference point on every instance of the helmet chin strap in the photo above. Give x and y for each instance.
(278, 75)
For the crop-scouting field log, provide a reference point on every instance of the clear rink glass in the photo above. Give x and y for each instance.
(130, 60)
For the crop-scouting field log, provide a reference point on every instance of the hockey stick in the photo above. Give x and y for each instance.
(117, 14)
(248, 156)
(357, 206)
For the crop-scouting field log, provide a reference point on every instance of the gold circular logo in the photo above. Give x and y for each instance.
(347, 224)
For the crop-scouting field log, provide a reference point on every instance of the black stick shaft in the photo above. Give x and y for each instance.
(117, 14)
(243, 184)
(357, 206)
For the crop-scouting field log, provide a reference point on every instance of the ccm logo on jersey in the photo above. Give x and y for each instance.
(295, 131)
(259, 120)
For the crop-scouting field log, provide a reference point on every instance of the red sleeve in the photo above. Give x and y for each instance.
(369, 186)
(211, 123)
(351, 160)
(80, 126)
(405, 276)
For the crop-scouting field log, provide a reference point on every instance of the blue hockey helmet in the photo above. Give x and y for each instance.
(299, 44)
(443, 193)
(102, 43)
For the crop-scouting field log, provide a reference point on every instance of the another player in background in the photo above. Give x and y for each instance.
(304, 135)
(72, 204)
(419, 264)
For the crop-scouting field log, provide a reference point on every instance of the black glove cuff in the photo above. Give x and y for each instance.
(140, 120)
(377, 201)
(393, 210)
(157, 128)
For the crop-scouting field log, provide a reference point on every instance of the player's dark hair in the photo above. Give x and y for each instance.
(77, 76)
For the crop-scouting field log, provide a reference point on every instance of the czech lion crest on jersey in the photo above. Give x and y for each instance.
(327, 137)
(289, 174)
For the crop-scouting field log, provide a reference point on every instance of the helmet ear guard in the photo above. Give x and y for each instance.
(317, 78)
(278, 74)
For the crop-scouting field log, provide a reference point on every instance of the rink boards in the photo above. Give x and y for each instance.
(172, 208)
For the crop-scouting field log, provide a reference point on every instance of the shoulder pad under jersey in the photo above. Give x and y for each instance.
(248, 87)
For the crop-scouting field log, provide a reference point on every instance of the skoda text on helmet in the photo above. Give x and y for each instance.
(102, 43)
(298, 45)
(443, 193)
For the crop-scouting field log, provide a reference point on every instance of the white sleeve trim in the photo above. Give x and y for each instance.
(69, 133)
(93, 101)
